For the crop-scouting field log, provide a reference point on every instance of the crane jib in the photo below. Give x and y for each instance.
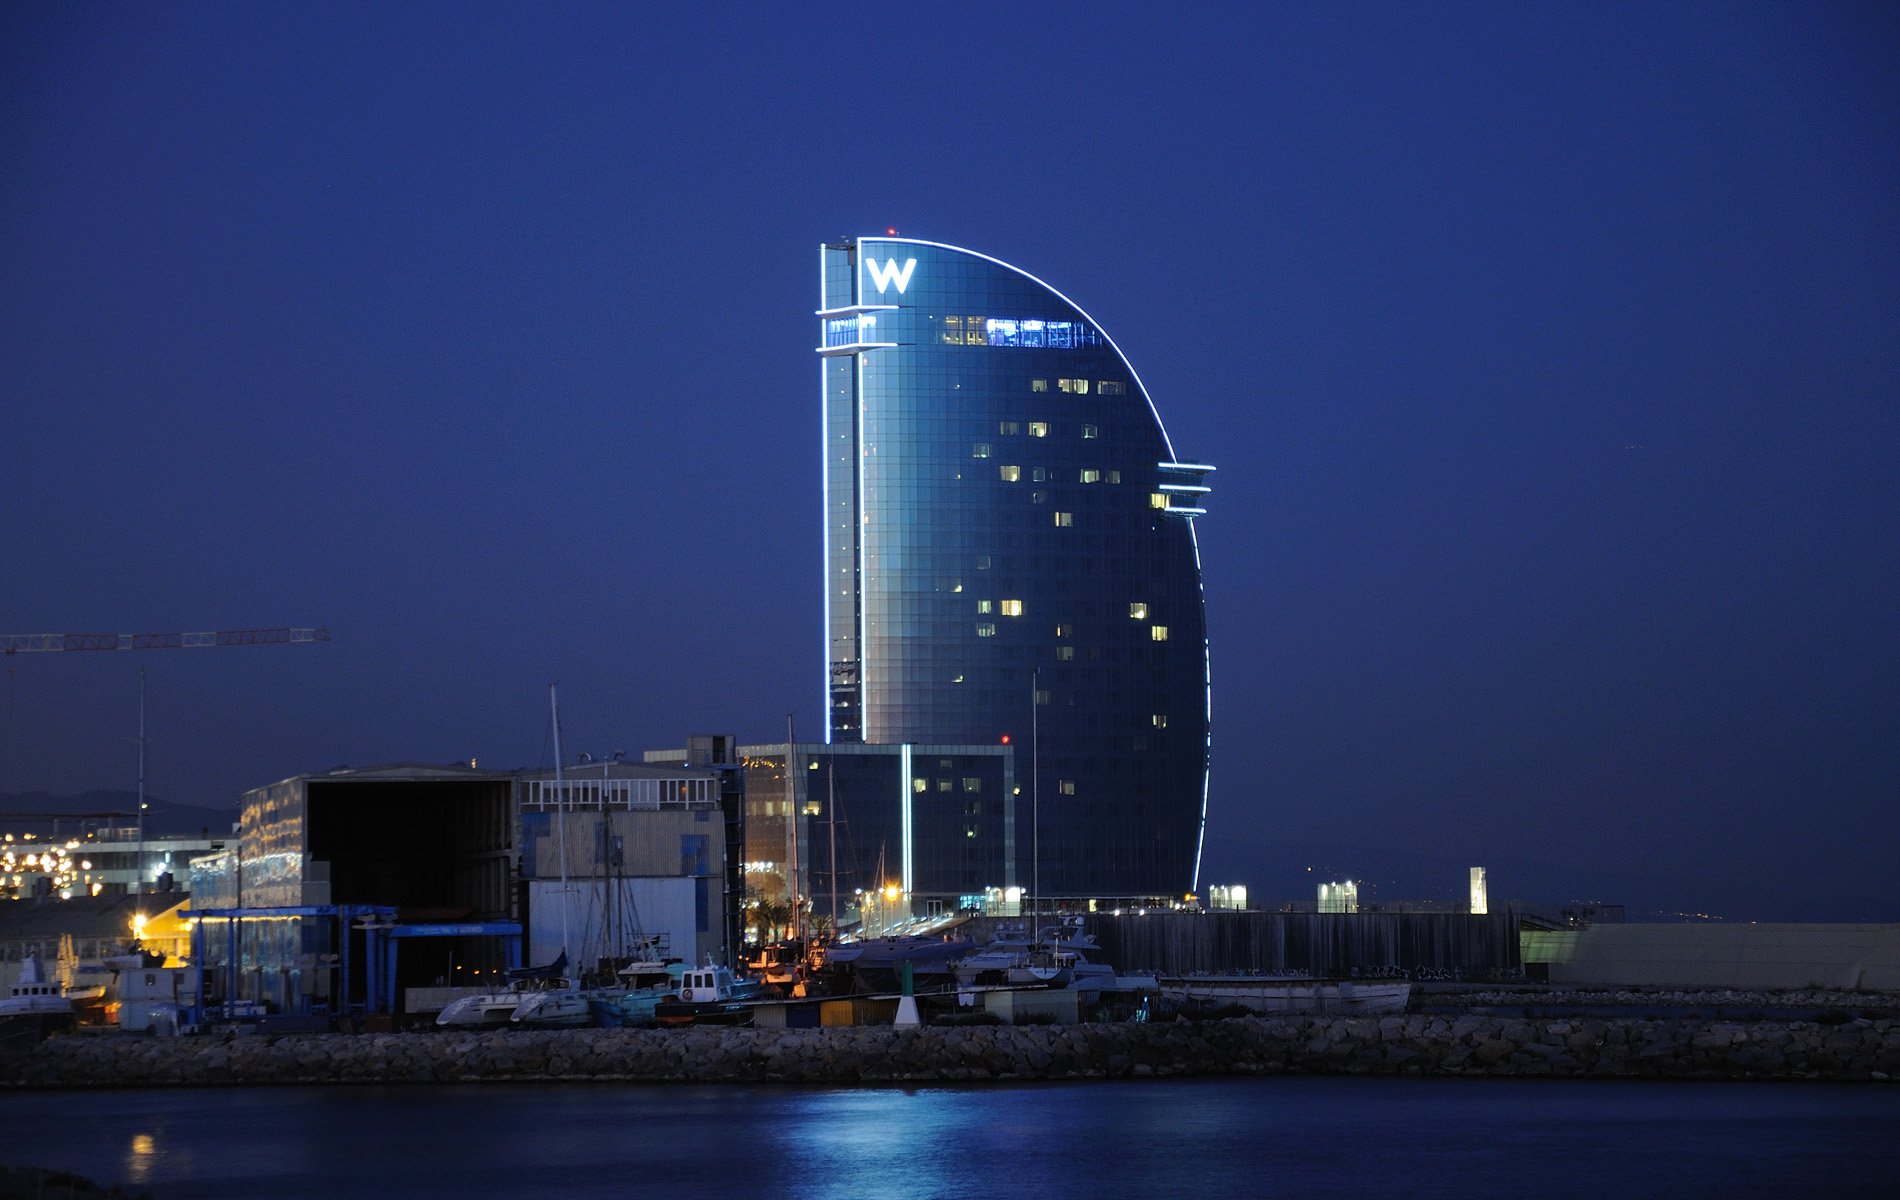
(24, 643)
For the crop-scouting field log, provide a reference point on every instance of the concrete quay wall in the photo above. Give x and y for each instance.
(1411, 1045)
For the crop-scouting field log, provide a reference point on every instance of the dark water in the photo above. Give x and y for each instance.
(1375, 1138)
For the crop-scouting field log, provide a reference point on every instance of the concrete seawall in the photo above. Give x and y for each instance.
(1415, 1045)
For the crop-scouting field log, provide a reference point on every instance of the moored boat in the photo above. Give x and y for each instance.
(36, 1008)
(710, 995)
(495, 1009)
(1346, 997)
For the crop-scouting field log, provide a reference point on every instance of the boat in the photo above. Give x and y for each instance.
(710, 995)
(495, 1009)
(1344, 997)
(34, 994)
(1059, 956)
(776, 966)
(639, 986)
(643, 986)
(36, 1007)
(875, 965)
(558, 1007)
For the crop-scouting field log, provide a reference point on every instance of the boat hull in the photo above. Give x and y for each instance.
(20, 1030)
(702, 1013)
(1341, 997)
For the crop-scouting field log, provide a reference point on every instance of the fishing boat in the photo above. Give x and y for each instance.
(643, 986)
(710, 995)
(35, 1008)
(33, 994)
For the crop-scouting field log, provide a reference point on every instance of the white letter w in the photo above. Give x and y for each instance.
(891, 273)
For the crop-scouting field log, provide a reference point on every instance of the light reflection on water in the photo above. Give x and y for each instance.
(138, 1158)
(1200, 1138)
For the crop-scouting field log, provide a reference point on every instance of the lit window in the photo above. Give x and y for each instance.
(1012, 474)
(1039, 474)
(1039, 429)
(980, 450)
(1039, 385)
(1111, 387)
(1066, 787)
(1161, 720)
(972, 784)
(1064, 520)
(1113, 477)
(1138, 610)
(986, 629)
(1157, 500)
(1091, 475)
(1065, 631)
(1078, 387)
(1065, 653)
(975, 331)
(1012, 608)
(1091, 431)
(918, 785)
(1042, 695)
(943, 785)
(1158, 632)
(1009, 428)
(953, 331)
(983, 606)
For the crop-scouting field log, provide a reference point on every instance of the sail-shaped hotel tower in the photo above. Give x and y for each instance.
(1011, 556)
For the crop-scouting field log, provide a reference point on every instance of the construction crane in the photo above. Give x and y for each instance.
(32, 643)
(28, 643)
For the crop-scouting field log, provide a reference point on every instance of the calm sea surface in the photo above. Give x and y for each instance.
(1306, 1138)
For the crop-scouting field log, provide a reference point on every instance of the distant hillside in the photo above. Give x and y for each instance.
(162, 816)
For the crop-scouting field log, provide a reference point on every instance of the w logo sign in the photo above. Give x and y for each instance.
(891, 273)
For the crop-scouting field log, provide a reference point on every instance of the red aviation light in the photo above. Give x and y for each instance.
(1006, 739)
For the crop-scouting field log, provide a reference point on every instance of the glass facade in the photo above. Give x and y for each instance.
(1010, 558)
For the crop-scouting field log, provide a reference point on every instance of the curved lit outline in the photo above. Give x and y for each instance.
(1207, 672)
(858, 276)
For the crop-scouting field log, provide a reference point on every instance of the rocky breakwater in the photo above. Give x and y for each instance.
(1414, 1045)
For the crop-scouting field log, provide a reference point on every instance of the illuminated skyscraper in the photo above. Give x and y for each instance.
(1005, 518)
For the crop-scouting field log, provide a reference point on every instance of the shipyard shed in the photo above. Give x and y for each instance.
(432, 842)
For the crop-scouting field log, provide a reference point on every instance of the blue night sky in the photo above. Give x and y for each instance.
(1548, 355)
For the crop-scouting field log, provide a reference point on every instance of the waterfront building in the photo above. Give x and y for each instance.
(646, 857)
(1010, 559)
(97, 860)
(430, 842)
(932, 822)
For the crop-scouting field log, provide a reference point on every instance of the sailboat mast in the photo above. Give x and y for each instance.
(560, 811)
(831, 827)
(138, 884)
(1035, 798)
(791, 827)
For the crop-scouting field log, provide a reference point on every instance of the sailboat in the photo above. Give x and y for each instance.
(547, 993)
(560, 1003)
(494, 1009)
